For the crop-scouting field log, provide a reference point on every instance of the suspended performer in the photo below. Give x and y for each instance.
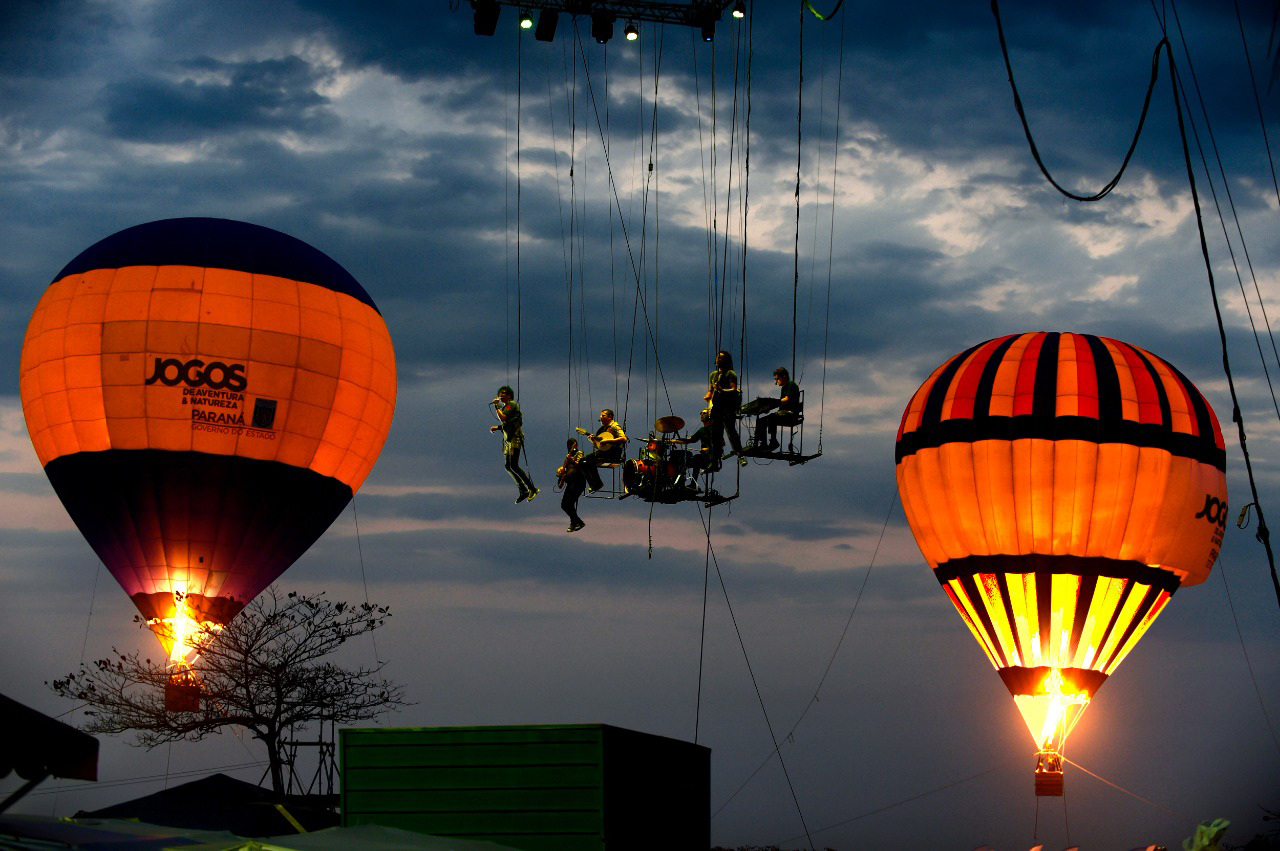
(512, 425)
(787, 415)
(573, 479)
(610, 442)
(723, 399)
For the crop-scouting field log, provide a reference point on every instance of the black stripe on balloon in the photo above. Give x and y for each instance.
(1199, 407)
(1044, 608)
(1002, 579)
(1144, 608)
(1166, 415)
(218, 244)
(1110, 408)
(970, 585)
(1021, 680)
(932, 413)
(1045, 398)
(959, 568)
(1196, 447)
(982, 404)
(1084, 601)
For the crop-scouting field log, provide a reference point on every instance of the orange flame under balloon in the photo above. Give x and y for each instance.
(177, 634)
(1052, 713)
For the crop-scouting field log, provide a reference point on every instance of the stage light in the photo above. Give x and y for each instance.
(486, 18)
(740, 9)
(601, 26)
(526, 20)
(631, 32)
(708, 30)
(546, 30)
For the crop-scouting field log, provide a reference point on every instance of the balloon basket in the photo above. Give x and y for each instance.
(182, 693)
(1048, 774)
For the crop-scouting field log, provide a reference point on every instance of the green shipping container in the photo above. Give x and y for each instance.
(538, 788)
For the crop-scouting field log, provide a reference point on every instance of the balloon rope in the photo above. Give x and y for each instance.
(364, 579)
(1133, 795)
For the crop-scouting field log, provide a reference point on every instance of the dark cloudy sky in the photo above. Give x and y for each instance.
(494, 197)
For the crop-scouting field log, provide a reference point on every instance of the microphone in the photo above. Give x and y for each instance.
(495, 401)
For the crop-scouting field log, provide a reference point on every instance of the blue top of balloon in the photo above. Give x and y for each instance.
(218, 244)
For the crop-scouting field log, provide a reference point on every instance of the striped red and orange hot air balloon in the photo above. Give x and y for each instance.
(205, 396)
(1062, 487)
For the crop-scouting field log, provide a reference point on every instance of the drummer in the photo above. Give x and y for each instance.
(707, 457)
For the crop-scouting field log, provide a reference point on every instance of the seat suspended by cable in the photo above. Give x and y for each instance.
(767, 414)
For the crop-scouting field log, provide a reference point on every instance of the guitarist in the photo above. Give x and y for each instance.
(609, 441)
(724, 398)
(572, 478)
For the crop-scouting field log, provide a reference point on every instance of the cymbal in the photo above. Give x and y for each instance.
(668, 425)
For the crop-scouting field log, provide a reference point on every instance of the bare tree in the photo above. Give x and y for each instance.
(265, 671)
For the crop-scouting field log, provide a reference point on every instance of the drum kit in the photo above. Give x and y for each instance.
(658, 475)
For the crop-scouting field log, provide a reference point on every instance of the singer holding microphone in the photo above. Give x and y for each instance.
(512, 424)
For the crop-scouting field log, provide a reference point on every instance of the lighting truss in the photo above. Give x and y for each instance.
(694, 13)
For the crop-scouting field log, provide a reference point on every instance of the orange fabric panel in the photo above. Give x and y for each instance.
(126, 337)
(170, 335)
(175, 279)
(226, 310)
(228, 357)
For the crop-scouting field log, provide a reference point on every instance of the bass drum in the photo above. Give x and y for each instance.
(637, 475)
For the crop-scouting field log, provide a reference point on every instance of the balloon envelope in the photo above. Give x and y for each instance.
(205, 396)
(1062, 487)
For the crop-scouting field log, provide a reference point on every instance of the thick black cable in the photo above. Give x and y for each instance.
(1263, 534)
(1026, 128)
(1231, 204)
(1257, 101)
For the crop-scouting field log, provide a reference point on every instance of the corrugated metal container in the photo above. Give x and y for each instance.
(538, 788)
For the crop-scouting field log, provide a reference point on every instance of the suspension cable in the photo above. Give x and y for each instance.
(706, 526)
(1263, 534)
(1231, 204)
